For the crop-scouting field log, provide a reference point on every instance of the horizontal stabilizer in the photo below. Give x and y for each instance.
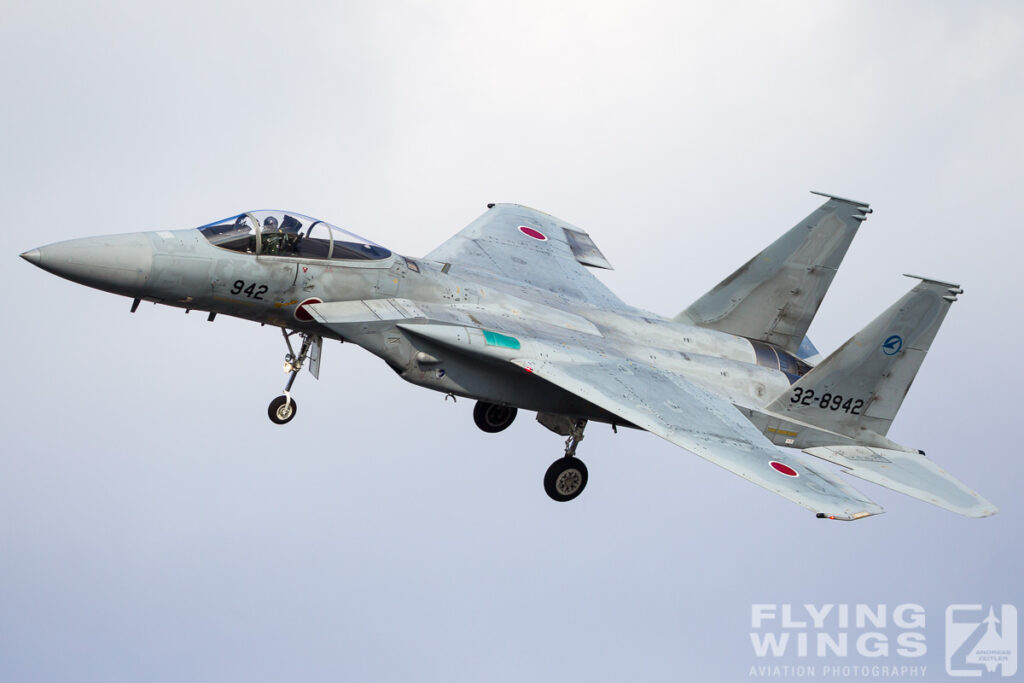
(908, 473)
(773, 297)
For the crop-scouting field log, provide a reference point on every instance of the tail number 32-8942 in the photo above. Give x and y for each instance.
(827, 401)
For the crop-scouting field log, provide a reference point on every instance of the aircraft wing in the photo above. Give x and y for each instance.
(522, 246)
(661, 402)
(675, 409)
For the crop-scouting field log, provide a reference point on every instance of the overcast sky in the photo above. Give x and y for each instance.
(154, 525)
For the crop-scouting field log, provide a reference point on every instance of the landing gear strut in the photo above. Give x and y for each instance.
(567, 476)
(493, 418)
(283, 408)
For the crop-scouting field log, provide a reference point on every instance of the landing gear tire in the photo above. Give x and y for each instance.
(281, 410)
(565, 479)
(493, 418)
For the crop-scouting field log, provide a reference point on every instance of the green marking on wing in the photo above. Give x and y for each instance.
(502, 340)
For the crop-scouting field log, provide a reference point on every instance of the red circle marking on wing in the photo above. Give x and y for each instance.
(784, 469)
(533, 232)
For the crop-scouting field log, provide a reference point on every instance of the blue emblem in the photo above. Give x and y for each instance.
(892, 345)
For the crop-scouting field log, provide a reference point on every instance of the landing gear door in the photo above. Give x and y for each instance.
(315, 351)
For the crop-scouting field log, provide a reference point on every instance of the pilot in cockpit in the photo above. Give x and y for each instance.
(271, 237)
(280, 240)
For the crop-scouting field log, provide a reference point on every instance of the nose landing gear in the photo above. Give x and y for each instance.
(567, 476)
(283, 408)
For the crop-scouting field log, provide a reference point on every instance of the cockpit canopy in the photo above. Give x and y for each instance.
(285, 233)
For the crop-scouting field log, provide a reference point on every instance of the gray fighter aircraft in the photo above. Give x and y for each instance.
(506, 312)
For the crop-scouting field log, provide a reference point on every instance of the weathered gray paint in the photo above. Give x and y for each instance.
(857, 368)
(579, 351)
(774, 296)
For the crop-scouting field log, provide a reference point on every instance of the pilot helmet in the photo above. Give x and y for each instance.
(270, 224)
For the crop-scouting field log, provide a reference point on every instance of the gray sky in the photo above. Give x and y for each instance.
(156, 526)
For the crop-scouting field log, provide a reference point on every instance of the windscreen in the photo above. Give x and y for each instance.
(286, 233)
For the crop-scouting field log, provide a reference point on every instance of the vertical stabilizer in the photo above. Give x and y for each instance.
(861, 386)
(775, 295)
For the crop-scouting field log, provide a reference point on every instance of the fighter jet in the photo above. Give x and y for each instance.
(506, 313)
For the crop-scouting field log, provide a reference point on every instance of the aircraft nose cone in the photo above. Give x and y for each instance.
(114, 263)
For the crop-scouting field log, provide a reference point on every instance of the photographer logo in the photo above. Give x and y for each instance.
(981, 641)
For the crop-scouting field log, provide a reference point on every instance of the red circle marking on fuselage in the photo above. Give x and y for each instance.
(533, 232)
(301, 314)
(783, 469)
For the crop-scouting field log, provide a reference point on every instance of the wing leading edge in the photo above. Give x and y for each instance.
(687, 415)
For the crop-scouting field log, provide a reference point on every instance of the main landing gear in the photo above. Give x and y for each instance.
(493, 418)
(567, 476)
(283, 408)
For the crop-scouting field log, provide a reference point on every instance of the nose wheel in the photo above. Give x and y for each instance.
(567, 476)
(283, 408)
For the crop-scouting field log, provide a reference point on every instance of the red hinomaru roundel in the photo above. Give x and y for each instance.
(301, 314)
(533, 232)
(783, 469)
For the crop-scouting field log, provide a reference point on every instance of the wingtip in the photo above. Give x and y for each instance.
(847, 516)
(982, 511)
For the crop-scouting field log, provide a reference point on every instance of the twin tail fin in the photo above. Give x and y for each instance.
(861, 386)
(773, 297)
